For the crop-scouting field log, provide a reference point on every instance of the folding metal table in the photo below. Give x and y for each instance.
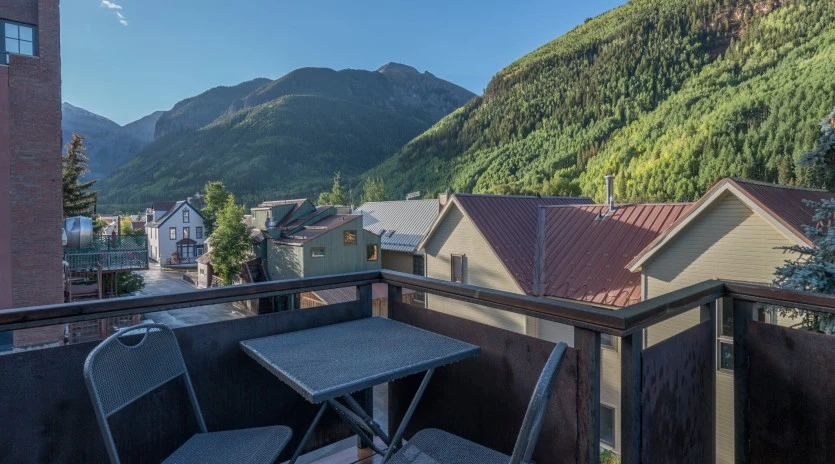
(332, 362)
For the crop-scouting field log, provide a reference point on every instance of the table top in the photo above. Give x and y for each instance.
(335, 360)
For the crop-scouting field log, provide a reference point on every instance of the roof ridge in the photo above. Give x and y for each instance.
(492, 195)
(619, 205)
(770, 184)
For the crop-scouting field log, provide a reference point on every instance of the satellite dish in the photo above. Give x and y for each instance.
(411, 195)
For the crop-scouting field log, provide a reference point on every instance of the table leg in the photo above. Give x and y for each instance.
(308, 433)
(398, 435)
(355, 423)
(372, 424)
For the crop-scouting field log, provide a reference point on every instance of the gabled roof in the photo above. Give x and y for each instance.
(508, 225)
(780, 205)
(311, 231)
(584, 250)
(173, 210)
(400, 224)
(163, 205)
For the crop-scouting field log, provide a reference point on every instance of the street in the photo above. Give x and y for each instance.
(159, 281)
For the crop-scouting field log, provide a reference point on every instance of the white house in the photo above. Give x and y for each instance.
(176, 237)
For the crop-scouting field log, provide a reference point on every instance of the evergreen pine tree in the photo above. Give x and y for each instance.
(814, 269)
(79, 200)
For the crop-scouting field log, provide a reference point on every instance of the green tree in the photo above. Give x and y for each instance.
(814, 268)
(126, 227)
(231, 243)
(374, 189)
(79, 200)
(216, 197)
(127, 283)
(337, 194)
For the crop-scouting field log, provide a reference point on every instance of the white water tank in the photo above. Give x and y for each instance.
(79, 231)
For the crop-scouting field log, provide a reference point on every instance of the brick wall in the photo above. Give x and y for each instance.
(34, 143)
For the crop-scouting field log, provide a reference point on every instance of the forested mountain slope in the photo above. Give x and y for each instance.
(669, 95)
(285, 138)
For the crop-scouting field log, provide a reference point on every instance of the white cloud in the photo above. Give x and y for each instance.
(115, 6)
(110, 5)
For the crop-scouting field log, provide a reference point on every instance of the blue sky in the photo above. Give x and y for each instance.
(161, 51)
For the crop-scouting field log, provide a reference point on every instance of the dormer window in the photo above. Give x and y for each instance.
(18, 39)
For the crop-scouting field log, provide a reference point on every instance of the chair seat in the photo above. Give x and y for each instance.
(431, 446)
(244, 446)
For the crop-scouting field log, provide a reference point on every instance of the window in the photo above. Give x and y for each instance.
(372, 253)
(186, 232)
(417, 266)
(458, 270)
(198, 232)
(349, 237)
(199, 250)
(185, 215)
(18, 39)
(725, 334)
(172, 233)
(317, 252)
(608, 341)
(607, 424)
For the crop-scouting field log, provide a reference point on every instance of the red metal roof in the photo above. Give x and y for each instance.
(784, 202)
(584, 257)
(508, 223)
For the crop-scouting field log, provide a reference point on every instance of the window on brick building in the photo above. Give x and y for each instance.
(18, 39)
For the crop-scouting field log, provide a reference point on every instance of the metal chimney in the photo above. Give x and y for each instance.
(610, 191)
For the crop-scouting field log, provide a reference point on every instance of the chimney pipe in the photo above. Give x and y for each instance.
(610, 191)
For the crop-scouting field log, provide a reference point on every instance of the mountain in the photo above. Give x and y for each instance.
(195, 112)
(109, 145)
(283, 138)
(668, 95)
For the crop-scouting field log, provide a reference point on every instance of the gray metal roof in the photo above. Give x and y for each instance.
(401, 223)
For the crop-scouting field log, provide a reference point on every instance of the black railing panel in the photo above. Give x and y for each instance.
(484, 398)
(791, 413)
(677, 397)
(47, 416)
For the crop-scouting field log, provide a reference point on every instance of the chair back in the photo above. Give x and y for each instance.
(535, 415)
(117, 374)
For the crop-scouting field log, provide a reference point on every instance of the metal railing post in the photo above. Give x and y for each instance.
(366, 397)
(630, 397)
(708, 312)
(587, 344)
(395, 295)
(743, 312)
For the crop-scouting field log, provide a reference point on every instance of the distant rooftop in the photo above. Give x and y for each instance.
(400, 224)
(585, 249)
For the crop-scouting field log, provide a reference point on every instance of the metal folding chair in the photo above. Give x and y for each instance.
(436, 446)
(118, 374)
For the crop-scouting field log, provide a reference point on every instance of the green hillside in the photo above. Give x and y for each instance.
(670, 95)
(268, 140)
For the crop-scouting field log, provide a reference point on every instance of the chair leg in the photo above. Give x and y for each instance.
(398, 436)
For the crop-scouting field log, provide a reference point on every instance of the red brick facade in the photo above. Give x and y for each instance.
(30, 162)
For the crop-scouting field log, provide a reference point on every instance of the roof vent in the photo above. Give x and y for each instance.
(610, 191)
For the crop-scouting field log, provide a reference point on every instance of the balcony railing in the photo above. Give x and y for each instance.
(667, 398)
(123, 252)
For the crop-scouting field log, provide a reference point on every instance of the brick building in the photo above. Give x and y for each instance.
(30, 157)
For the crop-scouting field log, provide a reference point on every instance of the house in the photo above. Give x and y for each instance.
(401, 226)
(561, 248)
(303, 240)
(736, 231)
(176, 236)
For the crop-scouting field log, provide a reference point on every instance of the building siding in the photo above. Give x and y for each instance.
(340, 258)
(456, 235)
(729, 242)
(398, 261)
